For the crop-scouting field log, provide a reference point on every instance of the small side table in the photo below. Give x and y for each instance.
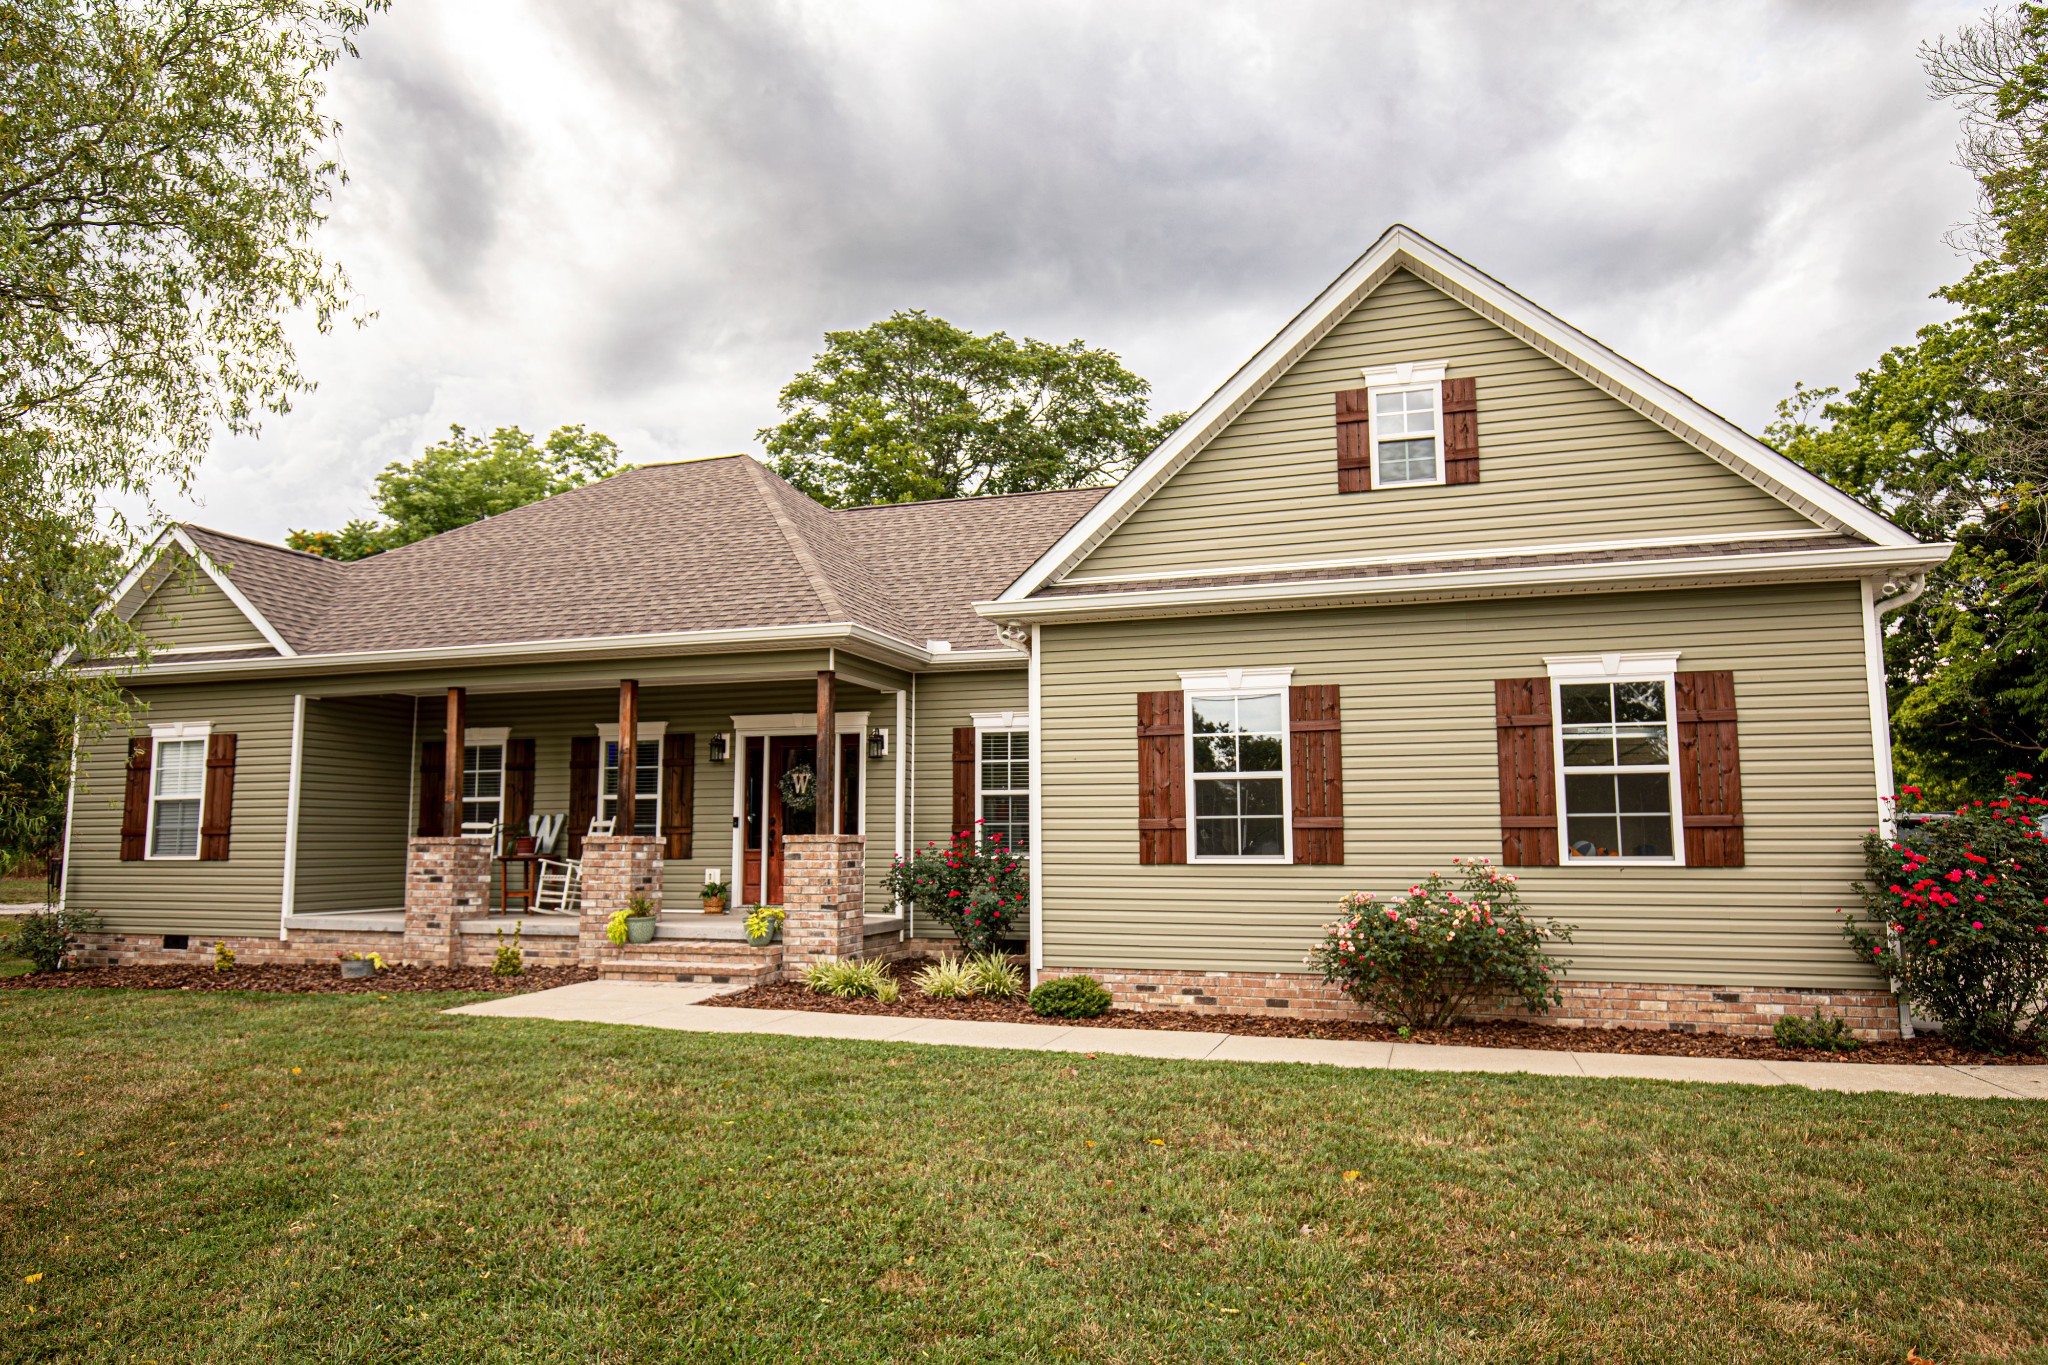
(528, 883)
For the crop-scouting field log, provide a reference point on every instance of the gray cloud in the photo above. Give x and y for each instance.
(642, 215)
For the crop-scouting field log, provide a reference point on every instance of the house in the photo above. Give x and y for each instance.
(1433, 575)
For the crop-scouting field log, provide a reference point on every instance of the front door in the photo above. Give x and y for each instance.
(784, 752)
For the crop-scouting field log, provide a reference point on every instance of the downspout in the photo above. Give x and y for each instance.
(1886, 595)
(70, 803)
(291, 817)
(910, 755)
(1037, 743)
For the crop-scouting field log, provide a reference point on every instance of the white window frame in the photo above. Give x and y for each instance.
(607, 736)
(1659, 667)
(175, 732)
(1011, 723)
(1237, 683)
(1411, 377)
(478, 737)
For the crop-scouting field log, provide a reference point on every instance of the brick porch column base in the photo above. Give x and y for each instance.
(447, 880)
(616, 868)
(824, 879)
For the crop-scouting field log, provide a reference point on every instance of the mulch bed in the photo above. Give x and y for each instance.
(1923, 1051)
(293, 979)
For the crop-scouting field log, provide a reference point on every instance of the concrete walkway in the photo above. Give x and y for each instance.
(655, 1005)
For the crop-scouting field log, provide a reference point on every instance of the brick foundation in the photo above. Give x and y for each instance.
(824, 880)
(1748, 1011)
(314, 947)
(447, 880)
(616, 869)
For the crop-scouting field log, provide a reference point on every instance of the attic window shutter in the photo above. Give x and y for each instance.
(135, 799)
(1316, 737)
(1461, 430)
(518, 786)
(219, 802)
(1354, 441)
(582, 790)
(1528, 773)
(1162, 778)
(433, 766)
(964, 754)
(678, 793)
(1709, 768)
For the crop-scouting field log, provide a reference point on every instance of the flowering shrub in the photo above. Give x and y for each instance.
(45, 937)
(1956, 910)
(1422, 959)
(976, 888)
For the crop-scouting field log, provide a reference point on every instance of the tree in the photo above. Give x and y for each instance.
(913, 407)
(1948, 435)
(464, 479)
(163, 164)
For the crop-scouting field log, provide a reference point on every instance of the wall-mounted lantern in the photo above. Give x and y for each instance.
(878, 743)
(721, 748)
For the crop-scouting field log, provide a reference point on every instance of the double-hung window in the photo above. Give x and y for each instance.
(483, 779)
(1617, 746)
(177, 792)
(1002, 779)
(1407, 424)
(1237, 765)
(646, 777)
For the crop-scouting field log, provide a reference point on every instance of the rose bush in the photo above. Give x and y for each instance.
(975, 887)
(1424, 958)
(1956, 909)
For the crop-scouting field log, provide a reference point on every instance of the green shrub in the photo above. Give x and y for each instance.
(510, 959)
(994, 975)
(44, 937)
(975, 887)
(1953, 909)
(223, 957)
(1820, 1032)
(1421, 960)
(887, 991)
(1070, 997)
(945, 979)
(848, 979)
(615, 927)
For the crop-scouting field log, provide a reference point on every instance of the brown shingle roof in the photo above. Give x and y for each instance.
(703, 545)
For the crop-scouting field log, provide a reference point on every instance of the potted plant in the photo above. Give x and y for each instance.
(357, 965)
(764, 925)
(639, 920)
(712, 893)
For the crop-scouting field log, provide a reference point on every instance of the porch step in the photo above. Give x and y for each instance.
(703, 963)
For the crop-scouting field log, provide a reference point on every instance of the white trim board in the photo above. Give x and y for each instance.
(1401, 247)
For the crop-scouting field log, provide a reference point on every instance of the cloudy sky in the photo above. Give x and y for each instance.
(642, 214)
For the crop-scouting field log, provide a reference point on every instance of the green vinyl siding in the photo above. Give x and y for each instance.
(188, 610)
(243, 895)
(944, 701)
(1560, 461)
(1421, 782)
(355, 811)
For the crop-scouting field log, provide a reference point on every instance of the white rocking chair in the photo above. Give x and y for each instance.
(559, 889)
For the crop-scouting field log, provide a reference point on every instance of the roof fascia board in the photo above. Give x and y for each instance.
(234, 594)
(1644, 574)
(1400, 246)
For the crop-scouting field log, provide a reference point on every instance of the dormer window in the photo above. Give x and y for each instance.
(1407, 407)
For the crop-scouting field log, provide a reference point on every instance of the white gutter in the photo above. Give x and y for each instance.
(1037, 804)
(291, 814)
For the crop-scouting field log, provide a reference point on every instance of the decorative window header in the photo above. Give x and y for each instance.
(1236, 679)
(1654, 664)
(645, 730)
(1002, 720)
(795, 723)
(180, 729)
(473, 735)
(1403, 375)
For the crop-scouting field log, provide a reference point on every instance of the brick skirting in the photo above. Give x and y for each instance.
(311, 946)
(1742, 1010)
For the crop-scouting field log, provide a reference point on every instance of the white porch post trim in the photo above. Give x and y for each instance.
(291, 813)
(70, 803)
(1037, 816)
(902, 773)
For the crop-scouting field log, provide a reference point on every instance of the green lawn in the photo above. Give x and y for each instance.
(343, 1178)
(24, 891)
(10, 965)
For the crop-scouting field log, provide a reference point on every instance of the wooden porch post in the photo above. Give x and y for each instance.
(828, 751)
(629, 745)
(452, 764)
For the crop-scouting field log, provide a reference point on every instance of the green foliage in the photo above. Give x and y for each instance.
(615, 927)
(975, 888)
(912, 407)
(45, 937)
(1070, 997)
(887, 992)
(465, 479)
(713, 891)
(1822, 1033)
(1956, 910)
(223, 956)
(1424, 958)
(639, 907)
(993, 975)
(510, 958)
(762, 918)
(850, 979)
(945, 979)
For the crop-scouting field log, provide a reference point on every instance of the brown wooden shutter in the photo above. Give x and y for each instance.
(219, 804)
(678, 793)
(1162, 778)
(1528, 777)
(1354, 441)
(135, 801)
(1461, 430)
(1317, 743)
(1709, 768)
(433, 797)
(964, 756)
(583, 763)
(518, 787)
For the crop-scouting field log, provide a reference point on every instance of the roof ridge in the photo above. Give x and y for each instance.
(972, 497)
(261, 544)
(820, 584)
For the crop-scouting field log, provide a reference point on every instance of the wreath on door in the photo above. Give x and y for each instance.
(799, 788)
